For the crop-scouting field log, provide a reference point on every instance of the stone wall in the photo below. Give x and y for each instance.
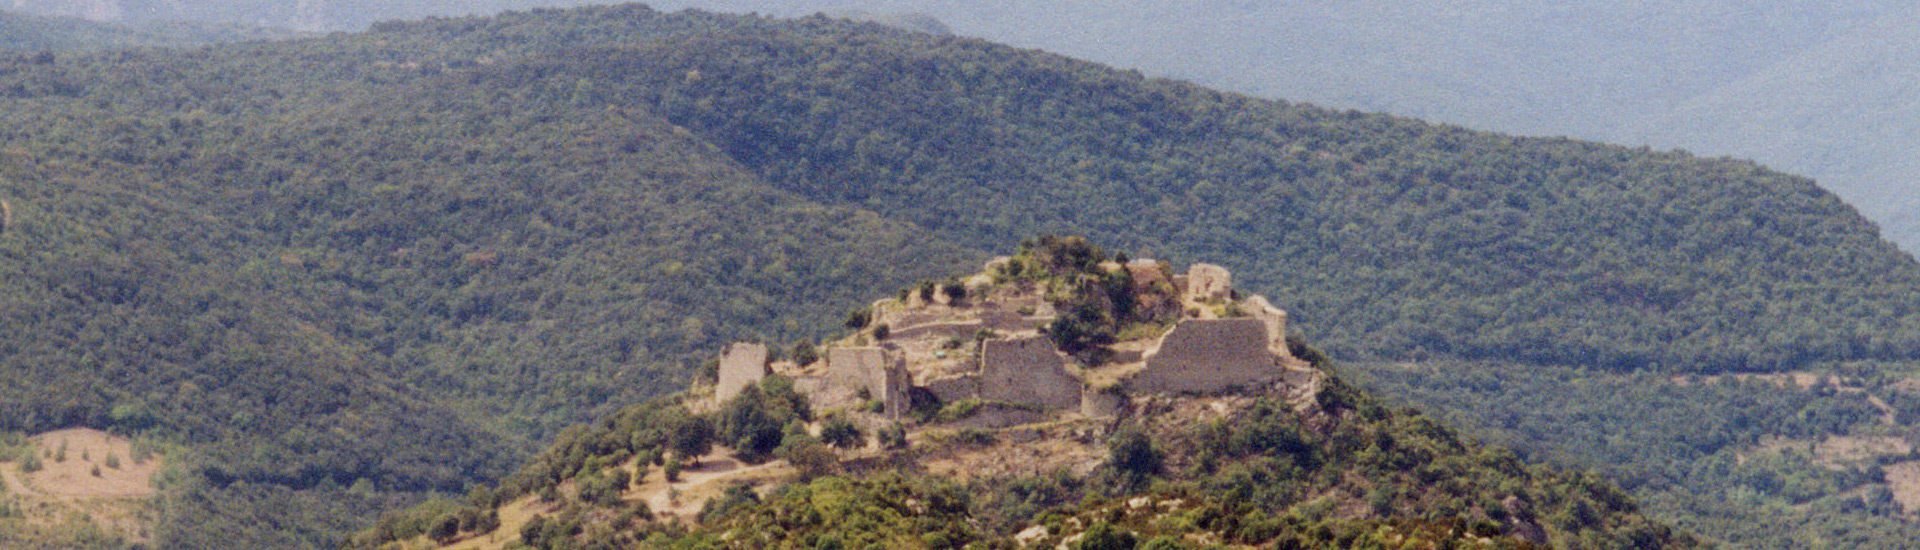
(890, 386)
(854, 368)
(851, 371)
(948, 329)
(741, 364)
(1208, 355)
(1208, 282)
(1275, 320)
(1027, 369)
(954, 389)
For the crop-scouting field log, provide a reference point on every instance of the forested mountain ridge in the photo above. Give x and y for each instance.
(21, 32)
(353, 268)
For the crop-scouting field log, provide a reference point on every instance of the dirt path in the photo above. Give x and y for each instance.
(697, 485)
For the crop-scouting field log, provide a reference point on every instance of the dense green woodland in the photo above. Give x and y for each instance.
(356, 268)
(1737, 460)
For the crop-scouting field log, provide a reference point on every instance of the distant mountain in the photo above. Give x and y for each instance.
(1840, 110)
(21, 32)
(354, 269)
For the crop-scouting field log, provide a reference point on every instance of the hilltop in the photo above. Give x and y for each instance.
(1129, 438)
(354, 271)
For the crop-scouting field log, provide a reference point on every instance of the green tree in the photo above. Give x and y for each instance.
(692, 437)
(842, 433)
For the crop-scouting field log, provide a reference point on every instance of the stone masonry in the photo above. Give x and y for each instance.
(1205, 355)
(742, 364)
(1017, 365)
(1209, 283)
(1027, 369)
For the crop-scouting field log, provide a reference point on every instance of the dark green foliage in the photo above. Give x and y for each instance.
(1103, 536)
(1133, 454)
(444, 529)
(1695, 451)
(893, 436)
(886, 511)
(858, 319)
(805, 353)
(735, 498)
(842, 433)
(754, 423)
(692, 437)
(602, 489)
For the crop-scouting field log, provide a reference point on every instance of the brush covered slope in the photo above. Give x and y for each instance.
(1287, 457)
(352, 270)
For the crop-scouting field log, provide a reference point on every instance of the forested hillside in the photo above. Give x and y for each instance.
(351, 269)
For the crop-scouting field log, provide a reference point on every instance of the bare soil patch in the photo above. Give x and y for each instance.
(96, 464)
(1904, 479)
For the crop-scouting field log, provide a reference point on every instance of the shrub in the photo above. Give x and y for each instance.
(805, 353)
(444, 529)
(955, 290)
(673, 469)
(858, 319)
(893, 437)
(692, 436)
(1133, 453)
(841, 433)
(1103, 536)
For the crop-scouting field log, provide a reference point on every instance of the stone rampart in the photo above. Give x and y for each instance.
(949, 329)
(741, 364)
(1275, 321)
(1208, 283)
(1028, 370)
(954, 389)
(854, 367)
(1208, 355)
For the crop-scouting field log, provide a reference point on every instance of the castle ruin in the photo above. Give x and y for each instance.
(991, 346)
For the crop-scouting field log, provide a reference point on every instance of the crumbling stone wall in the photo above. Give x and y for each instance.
(853, 367)
(890, 385)
(872, 370)
(1208, 355)
(948, 329)
(1208, 282)
(954, 389)
(1027, 369)
(741, 364)
(1275, 320)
